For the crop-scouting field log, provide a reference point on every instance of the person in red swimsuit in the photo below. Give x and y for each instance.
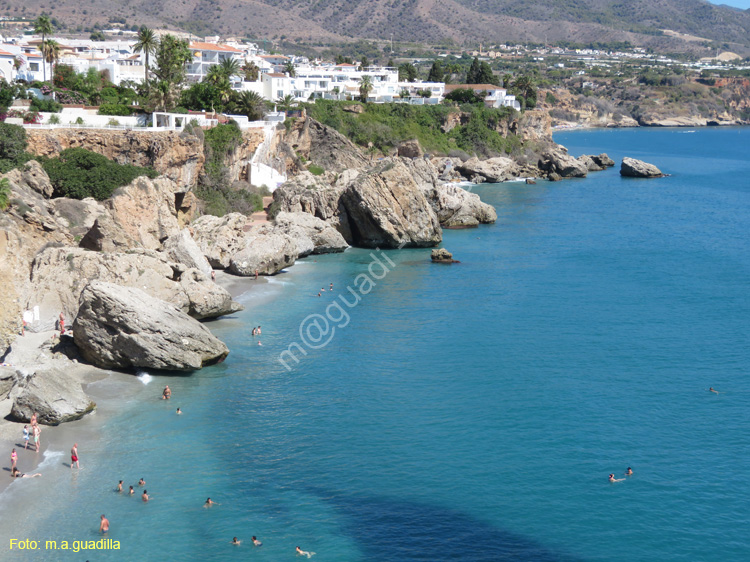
(74, 456)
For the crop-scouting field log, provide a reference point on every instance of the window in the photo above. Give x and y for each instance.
(34, 66)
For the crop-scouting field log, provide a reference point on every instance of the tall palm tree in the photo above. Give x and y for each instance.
(286, 103)
(51, 52)
(250, 104)
(251, 71)
(290, 69)
(147, 44)
(43, 26)
(230, 67)
(365, 87)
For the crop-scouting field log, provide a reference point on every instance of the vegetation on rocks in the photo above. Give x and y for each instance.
(79, 173)
(219, 195)
(383, 126)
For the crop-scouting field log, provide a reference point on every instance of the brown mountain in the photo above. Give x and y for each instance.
(430, 21)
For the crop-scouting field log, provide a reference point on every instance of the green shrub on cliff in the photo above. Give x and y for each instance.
(385, 125)
(114, 109)
(4, 194)
(214, 189)
(79, 173)
(12, 141)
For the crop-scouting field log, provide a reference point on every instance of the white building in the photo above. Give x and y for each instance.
(495, 96)
(206, 55)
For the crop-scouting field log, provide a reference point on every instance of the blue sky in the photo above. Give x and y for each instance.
(744, 4)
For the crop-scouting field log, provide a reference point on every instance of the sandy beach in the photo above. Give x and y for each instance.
(109, 389)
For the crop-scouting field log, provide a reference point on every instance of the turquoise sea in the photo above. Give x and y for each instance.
(464, 412)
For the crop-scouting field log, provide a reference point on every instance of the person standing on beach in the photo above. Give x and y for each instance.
(74, 457)
(62, 323)
(104, 525)
(13, 459)
(37, 436)
(25, 437)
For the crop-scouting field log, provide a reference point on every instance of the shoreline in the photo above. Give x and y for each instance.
(27, 352)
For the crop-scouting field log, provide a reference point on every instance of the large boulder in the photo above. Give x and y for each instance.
(325, 239)
(387, 209)
(602, 160)
(556, 160)
(457, 208)
(206, 299)
(324, 146)
(639, 169)
(409, 149)
(591, 166)
(306, 193)
(141, 214)
(267, 251)
(58, 275)
(120, 327)
(492, 170)
(33, 175)
(219, 238)
(56, 396)
(183, 249)
(78, 215)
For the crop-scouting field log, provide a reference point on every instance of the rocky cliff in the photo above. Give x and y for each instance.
(177, 156)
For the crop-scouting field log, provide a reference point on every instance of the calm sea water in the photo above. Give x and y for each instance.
(471, 411)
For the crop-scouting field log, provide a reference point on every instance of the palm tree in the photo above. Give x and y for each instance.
(365, 87)
(250, 104)
(51, 52)
(290, 69)
(230, 67)
(214, 75)
(286, 103)
(43, 26)
(147, 43)
(251, 71)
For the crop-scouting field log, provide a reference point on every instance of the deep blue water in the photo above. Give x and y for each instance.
(471, 411)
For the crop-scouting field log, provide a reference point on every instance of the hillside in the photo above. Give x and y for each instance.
(464, 22)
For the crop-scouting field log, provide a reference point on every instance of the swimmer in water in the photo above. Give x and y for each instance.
(141, 482)
(15, 473)
(235, 541)
(256, 542)
(259, 343)
(167, 394)
(318, 294)
(179, 411)
(145, 497)
(613, 479)
(629, 472)
(119, 487)
(132, 491)
(210, 502)
(711, 389)
(304, 553)
(104, 525)
(331, 289)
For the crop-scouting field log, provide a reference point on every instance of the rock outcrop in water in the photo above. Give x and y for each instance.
(387, 209)
(121, 327)
(492, 170)
(266, 251)
(639, 169)
(557, 160)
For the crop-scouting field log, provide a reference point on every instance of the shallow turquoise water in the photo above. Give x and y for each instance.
(471, 411)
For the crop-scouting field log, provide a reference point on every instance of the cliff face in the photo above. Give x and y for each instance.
(179, 157)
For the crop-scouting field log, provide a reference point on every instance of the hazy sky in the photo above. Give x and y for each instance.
(744, 4)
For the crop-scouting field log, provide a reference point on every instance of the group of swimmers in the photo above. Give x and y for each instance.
(323, 290)
(628, 472)
(257, 332)
(144, 496)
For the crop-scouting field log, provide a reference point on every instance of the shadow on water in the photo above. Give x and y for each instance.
(400, 530)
